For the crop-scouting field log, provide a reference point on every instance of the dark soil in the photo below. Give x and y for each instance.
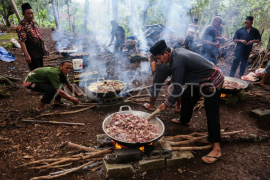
(249, 160)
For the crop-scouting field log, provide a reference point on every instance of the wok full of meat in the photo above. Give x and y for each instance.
(232, 85)
(107, 86)
(131, 128)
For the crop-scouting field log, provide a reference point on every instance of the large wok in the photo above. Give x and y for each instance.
(155, 121)
(105, 95)
(234, 91)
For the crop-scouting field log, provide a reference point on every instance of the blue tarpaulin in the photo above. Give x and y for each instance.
(2, 33)
(6, 56)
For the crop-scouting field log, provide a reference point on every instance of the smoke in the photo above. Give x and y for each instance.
(99, 33)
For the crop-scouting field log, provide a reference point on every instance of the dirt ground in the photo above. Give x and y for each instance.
(241, 160)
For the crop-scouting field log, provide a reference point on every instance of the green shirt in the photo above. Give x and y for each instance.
(47, 75)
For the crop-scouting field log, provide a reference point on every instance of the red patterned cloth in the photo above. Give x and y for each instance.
(29, 33)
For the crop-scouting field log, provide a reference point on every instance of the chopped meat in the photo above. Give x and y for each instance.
(232, 85)
(107, 86)
(130, 128)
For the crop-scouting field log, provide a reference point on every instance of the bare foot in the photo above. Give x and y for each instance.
(215, 156)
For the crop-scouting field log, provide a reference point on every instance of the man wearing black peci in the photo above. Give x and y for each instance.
(30, 39)
(244, 37)
(202, 78)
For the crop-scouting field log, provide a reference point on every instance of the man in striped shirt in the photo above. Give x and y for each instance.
(203, 78)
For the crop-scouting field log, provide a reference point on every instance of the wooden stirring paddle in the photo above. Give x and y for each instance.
(153, 114)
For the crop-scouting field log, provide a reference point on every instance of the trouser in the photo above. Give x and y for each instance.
(189, 42)
(211, 56)
(160, 75)
(46, 88)
(236, 62)
(267, 69)
(35, 63)
(118, 51)
(211, 108)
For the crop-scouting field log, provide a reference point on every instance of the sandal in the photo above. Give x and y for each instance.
(43, 111)
(216, 159)
(177, 121)
(62, 104)
(144, 106)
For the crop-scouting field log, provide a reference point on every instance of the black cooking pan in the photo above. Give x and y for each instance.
(154, 120)
(110, 94)
(234, 91)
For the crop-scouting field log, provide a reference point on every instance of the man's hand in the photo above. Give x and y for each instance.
(79, 95)
(168, 82)
(47, 52)
(268, 55)
(249, 43)
(162, 107)
(243, 41)
(28, 59)
(74, 100)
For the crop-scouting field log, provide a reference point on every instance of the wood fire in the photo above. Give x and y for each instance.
(223, 95)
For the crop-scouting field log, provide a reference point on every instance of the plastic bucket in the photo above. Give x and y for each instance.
(77, 65)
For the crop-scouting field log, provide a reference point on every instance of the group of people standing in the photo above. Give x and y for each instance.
(212, 39)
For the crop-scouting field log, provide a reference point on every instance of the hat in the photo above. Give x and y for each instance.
(113, 21)
(66, 59)
(250, 18)
(158, 48)
(196, 20)
(26, 6)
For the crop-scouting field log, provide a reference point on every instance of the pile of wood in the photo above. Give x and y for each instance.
(90, 159)
(198, 141)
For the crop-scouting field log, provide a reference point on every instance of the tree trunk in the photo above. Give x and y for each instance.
(3, 20)
(145, 10)
(268, 45)
(227, 15)
(38, 12)
(132, 19)
(109, 11)
(191, 15)
(115, 10)
(55, 15)
(57, 9)
(68, 16)
(16, 10)
(86, 14)
(168, 9)
(214, 10)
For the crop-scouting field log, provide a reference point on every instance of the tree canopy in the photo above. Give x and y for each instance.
(95, 15)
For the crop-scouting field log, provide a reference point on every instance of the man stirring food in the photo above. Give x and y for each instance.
(202, 78)
(49, 80)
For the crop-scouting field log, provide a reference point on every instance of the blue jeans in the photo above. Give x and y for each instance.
(236, 61)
